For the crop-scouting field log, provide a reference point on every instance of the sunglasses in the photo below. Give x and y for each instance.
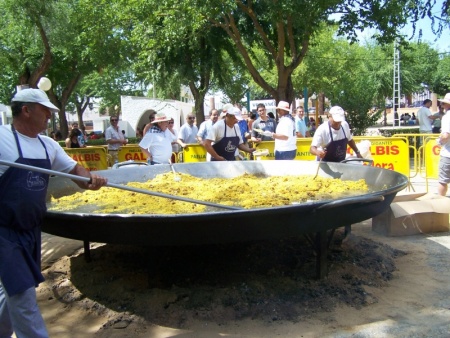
(191, 118)
(114, 120)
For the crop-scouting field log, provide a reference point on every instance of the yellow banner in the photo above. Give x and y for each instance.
(303, 153)
(131, 153)
(194, 153)
(303, 145)
(386, 152)
(432, 155)
(92, 158)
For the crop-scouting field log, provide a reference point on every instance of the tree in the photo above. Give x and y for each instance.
(284, 29)
(441, 79)
(173, 50)
(83, 55)
(343, 72)
(106, 88)
(234, 80)
(25, 40)
(69, 42)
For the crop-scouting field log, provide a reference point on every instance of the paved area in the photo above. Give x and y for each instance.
(420, 184)
(55, 247)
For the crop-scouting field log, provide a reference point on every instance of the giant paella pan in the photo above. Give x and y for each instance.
(217, 225)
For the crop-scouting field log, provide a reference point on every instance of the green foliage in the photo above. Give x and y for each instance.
(419, 63)
(343, 72)
(102, 141)
(96, 142)
(176, 46)
(276, 48)
(441, 78)
(396, 131)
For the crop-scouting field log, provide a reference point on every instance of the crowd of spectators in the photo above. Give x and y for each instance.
(247, 129)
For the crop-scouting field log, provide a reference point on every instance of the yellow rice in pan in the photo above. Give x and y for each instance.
(247, 191)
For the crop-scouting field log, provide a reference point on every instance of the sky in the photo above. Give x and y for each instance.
(442, 44)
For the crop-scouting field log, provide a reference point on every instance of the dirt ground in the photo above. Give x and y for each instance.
(377, 286)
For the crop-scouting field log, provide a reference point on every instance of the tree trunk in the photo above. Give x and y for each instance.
(321, 98)
(285, 89)
(63, 127)
(199, 98)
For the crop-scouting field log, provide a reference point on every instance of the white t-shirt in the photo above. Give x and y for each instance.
(445, 128)
(159, 145)
(32, 148)
(188, 134)
(111, 133)
(205, 127)
(286, 127)
(424, 121)
(217, 132)
(322, 135)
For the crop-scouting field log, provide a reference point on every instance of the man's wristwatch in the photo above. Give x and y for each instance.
(357, 152)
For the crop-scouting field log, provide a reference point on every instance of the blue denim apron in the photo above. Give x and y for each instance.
(22, 205)
(226, 147)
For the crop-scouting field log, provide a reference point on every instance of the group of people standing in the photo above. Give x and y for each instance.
(225, 134)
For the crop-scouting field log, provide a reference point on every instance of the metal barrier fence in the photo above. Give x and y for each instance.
(409, 154)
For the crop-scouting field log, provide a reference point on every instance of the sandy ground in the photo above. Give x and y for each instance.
(406, 294)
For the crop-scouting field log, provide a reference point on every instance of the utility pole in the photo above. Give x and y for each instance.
(396, 90)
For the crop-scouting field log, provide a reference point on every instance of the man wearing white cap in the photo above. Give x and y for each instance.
(331, 139)
(284, 135)
(23, 205)
(225, 108)
(225, 137)
(444, 138)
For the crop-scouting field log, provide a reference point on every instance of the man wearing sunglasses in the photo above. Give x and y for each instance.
(114, 138)
(188, 132)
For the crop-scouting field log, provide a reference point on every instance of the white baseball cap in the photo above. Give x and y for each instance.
(32, 95)
(236, 112)
(337, 113)
(225, 109)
